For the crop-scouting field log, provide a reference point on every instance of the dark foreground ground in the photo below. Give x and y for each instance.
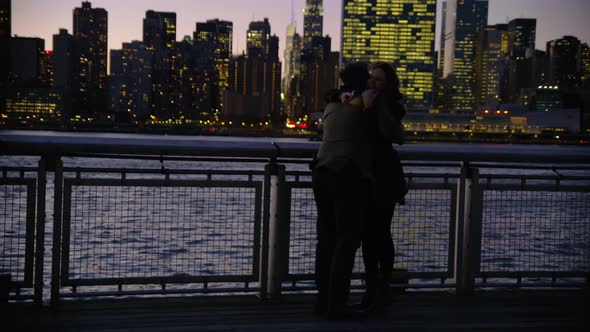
(510, 310)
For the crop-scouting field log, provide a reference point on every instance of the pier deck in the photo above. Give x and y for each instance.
(513, 310)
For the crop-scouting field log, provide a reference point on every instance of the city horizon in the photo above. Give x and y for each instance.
(279, 15)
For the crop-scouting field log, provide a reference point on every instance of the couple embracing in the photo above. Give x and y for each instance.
(357, 180)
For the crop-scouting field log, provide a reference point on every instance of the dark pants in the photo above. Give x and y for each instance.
(341, 199)
(378, 248)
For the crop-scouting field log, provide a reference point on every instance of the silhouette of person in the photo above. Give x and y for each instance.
(341, 183)
(385, 115)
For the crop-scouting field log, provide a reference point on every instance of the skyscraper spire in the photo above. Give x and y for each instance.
(292, 11)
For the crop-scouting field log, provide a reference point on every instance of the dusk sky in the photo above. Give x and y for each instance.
(42, 18)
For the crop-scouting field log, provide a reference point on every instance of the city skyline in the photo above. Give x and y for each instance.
(33, 19)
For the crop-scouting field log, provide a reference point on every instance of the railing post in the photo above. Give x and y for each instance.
(57, 225)
(278, 243)
(40, 231)
(467, 229)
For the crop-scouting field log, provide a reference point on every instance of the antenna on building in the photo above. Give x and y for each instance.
(292, 11)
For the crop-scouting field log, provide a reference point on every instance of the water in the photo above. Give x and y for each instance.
(138, 231)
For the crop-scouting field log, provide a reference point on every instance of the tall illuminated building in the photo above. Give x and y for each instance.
(563, 61)
(464, 18)
(258, 39)
(5, 32)
(131, 75)
(491, 65)
(521, 35)
(159, 30)
(159, 38)
(585, 64)
(213, 39)
(91, 31)
(313, 21)
(400, 32)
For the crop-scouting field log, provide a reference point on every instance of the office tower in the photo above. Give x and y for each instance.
(66, 71)
(313, 21)
(563, 61)
(26, 57)
(255, 78)
(522, 35)
(292, 70)
(400, 32)
(521, 39)
(159, 30)
(464, 18)
(585, 64)
(91, 31)
(131, 79)
(213, 39)
(491, 65)
(5, 32)
(159, 37)
(258, 39)
(254, 89)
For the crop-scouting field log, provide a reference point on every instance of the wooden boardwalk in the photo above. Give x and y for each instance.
(513, 310)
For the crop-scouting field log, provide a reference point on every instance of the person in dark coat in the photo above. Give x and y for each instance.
(386, 113)
(341, 179)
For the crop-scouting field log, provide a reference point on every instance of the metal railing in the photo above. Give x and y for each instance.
(211, 228)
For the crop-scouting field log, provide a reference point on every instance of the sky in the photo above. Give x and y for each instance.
(44, 18)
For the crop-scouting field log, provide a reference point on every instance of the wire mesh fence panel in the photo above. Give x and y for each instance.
(535, 231)
(420, 231)
(155, 230)
(13, 229)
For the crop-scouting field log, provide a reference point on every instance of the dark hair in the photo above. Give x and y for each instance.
(354, 76)
(393, 85)
(392, 89)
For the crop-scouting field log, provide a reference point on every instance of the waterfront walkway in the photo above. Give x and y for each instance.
(498, 310)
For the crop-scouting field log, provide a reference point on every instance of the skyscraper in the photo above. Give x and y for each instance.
(26, 57)
(5, 32)
(214, 40)
(563, 61)
(491, 65)
(159, 38)
(131, 69)
(255, 78)
(91, 31)
(585, 64)
(258, 39)
(521, 40)
(313, 21)
(464, 18)
(66, 71)
(159, 30)
(400, 32)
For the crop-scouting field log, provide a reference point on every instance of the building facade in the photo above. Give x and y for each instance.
(213, 39)
(91, 31)
(464, 18)
(491, 65)
(400, 32)
(313, 21)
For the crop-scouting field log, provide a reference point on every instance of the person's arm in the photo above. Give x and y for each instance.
(389, 121)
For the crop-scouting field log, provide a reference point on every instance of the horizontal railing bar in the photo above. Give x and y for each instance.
(532, 285)
(168, 158)
(160, 292)
(161, 183)
(536, 187)
(159, 171)
(529, 166)
(536, 177)
(534, 274)
(394, 275)
(157, 280)
(63, 143)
